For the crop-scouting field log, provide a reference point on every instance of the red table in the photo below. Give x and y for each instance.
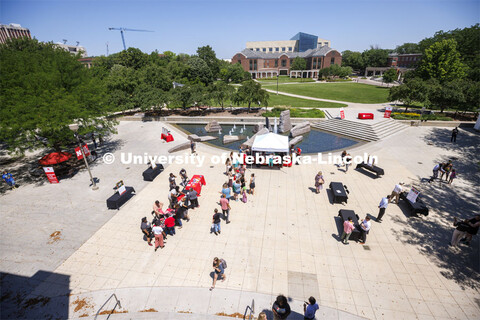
(167, 137)
(196, 182)
(365, 116)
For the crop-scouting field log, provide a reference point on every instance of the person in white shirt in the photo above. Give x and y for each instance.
(396, 193)
(158, 232)
(365, 228)
(383, 205)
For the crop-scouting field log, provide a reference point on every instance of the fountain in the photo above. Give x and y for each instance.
(275, 128)
(244, 127)
(234, 127)
(219, 131)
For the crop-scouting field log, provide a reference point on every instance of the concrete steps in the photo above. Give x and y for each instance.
(361, 130)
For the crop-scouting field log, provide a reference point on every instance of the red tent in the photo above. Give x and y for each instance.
(54, 158)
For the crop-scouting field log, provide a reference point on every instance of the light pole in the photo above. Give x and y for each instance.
(74, 128)
(277, 84)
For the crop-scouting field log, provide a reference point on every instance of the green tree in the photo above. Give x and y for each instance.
(199, 71)
(353, 59)
(415, 90)
(251, 92)
(207, 54)
(122, 85)
(131, 58)
(298, 64)
(442, 61)
(446, 95)
(375, 57)
(177, 71)
(390, 75)
(44, 89)
(221, 92)
(408, 48)
(188, 95)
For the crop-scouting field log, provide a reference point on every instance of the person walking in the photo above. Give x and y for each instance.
(319, 181)
(454, 135)
(216, 222)
(184, 176)
(348, 161)
(459, 232)
(219, 266)
(8, 178)
(225, 208)
(396, 192)
(192, 146)
(281, 308)
(237, 188)
(310, 308)
(347, 230)
(383, 206)
(158, 233)
(192, 196)
(252, 184)
(365, 229)
(146, 228)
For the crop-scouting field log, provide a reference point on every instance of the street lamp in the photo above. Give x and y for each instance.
(277, 84)
(74, 128)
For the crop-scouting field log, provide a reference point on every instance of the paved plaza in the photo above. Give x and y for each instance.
(284, 240)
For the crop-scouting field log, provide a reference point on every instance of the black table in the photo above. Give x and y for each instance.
(150, 174)
(419, 207)
(344, 214)
(116, 201)
(377, 170)
(339, 193)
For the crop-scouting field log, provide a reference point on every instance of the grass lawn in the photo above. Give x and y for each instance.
(282, 100)
(296, 113)
(283, 79)
(350, 92)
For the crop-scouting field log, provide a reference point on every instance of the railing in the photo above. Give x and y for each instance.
(116, 303)
(252, 311)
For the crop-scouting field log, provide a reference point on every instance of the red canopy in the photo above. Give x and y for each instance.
(54, 158)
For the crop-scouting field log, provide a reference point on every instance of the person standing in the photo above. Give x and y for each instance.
(192, 146)
(383, 206)
(310, 308)
(347, 230)
(183, 175)
(436, 168)
(319, 181)
(446, 170)
(170, 225)
(348, 161)
(343, 155)
(365, 229)
(8, 177)
(252, 184)
(454, 135)
(237, 188)
(459, 232)
(281, 308)
(219, 271)
(396, 193)
(158, 233)
(225, 208)
(146, 228)
(192, 196)
(216, 222)
(171, 180)
(453, 175)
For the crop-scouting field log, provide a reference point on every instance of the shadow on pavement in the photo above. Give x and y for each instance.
(460, 199)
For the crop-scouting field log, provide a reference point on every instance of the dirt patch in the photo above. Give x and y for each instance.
(233, 315)
(112, 311)
(149, 310)
(83, 315)
(183, 312)
(82, 304)
(55, 236)
(34, 301)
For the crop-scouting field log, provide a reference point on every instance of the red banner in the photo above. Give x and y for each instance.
(342, 114)
(388, 112)
(78, 152)
(51, 176)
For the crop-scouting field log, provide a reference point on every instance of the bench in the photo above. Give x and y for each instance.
(419, 207)
(338, 192)
(375, 169)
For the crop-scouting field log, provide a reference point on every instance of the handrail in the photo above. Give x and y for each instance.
(116, 303)
(252, 311)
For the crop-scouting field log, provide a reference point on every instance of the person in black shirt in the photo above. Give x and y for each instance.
(454, 135)
(216, 222)
(281, 308)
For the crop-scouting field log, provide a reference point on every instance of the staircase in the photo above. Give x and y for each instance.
(360, 129)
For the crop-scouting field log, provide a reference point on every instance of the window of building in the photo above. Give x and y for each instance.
(250, 65)
(283, 49)
(254, 64)
(270, 49)
(258, 49)
(291, 61)
(332, 61)
(314, 63)
(264, 49)
(239, 61)
(276, 62)
(289, 48)
(284, 63)
(277, 49)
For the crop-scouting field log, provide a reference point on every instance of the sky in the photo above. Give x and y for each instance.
(182, 26)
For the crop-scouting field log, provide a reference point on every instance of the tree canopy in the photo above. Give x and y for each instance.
(43, 90)
(442, 61)
(298, 64)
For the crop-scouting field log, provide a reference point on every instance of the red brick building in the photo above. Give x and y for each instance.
(404, 60)
(264, 65)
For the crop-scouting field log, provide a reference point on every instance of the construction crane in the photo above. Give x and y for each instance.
(125, 29)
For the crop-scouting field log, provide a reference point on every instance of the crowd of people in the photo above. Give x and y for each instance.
(444, 169)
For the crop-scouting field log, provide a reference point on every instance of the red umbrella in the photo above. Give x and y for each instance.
(54, 158)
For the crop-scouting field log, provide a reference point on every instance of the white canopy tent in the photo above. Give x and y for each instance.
(270, 142)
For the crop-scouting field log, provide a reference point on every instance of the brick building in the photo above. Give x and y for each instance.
(270, 64)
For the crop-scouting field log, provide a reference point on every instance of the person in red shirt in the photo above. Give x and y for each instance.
(225, 207)
(170, 225)
(347, 230)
